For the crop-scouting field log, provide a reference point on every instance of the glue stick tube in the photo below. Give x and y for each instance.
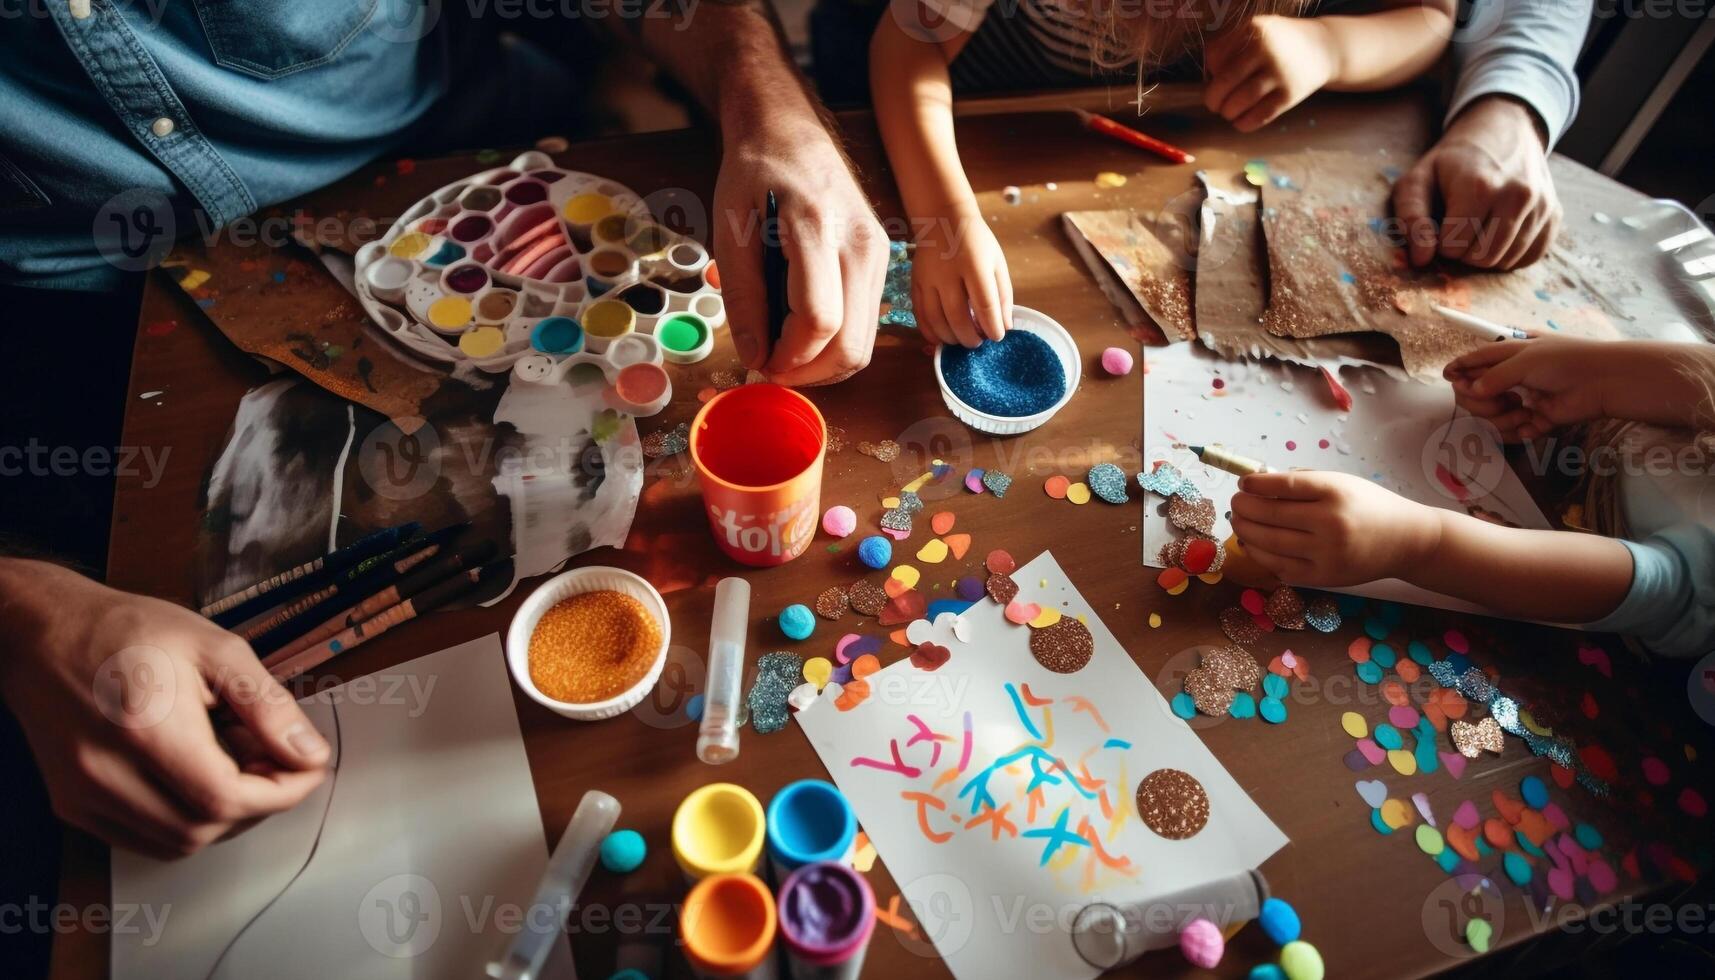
(717, 739)
(568, 869)
(1111, 936)
(827, 913)
(728, 925)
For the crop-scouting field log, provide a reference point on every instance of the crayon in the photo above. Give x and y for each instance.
(238, 606)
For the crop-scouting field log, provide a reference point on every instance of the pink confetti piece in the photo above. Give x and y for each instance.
(1402, 716)
(1602, 877)
(1454, 763)
(1692, 802)
(1598, 658)
(1560, 883)
(1655, 771)
(974, 481)
(1371, 751)
(841, 648)
(1467, 816)
(1456, 641)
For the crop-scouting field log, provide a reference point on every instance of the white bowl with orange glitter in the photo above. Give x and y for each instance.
(582, 581)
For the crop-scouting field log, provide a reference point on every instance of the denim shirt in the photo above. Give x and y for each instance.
(121, 120)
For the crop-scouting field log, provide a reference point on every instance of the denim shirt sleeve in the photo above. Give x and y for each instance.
(1525, 49)
(1670, 607)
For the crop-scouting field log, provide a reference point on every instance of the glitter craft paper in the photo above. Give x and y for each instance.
(903, 765)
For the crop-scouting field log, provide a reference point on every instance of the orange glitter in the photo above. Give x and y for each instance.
(593, 646)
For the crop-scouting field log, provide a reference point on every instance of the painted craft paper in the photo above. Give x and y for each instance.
(1336, 267)
(1151, 256)
(1402, 435)
(386, 872)
(999, 775)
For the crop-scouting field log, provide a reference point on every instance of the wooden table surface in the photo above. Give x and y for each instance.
(1375, 906)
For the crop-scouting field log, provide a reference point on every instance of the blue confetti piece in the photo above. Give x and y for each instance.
(1384, 656)
(1447, 860)
(694, 707)
(1274, 686)
(1377, 822)
(1243, 706)
(1369, 673)
(1273, 710)
(1377, 629)
(1525, 844)
(1388, 737)
(896, 292)
(1419, 651)
(1588, 837)
(954, 606)
(1184, 706)
(1348, 278)
(1427, 759)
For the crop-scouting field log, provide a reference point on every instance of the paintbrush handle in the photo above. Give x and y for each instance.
(428, 601)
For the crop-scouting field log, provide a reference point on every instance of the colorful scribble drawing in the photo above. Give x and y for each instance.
(1062, 794)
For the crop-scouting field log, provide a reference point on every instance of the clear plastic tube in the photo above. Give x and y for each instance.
(717, 739)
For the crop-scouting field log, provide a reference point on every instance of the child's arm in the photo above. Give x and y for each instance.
(961, 290)
(1269, 64)
(1332, 529)
(1528, 388)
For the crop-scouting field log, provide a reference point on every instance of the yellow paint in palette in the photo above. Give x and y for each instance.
(482, 342)
(409, 245)
(449, 313)
(587, 209)
(608, 319)
(718, 829)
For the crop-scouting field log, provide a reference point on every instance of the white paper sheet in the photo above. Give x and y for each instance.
(990, 906)
(401, 865)
(1401, 434)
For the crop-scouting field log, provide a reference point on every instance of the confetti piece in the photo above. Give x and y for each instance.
(958, 544)
(1403, 762)
(1048, 617)
(906, 575)
(817, 671)
(1154, 620)
(996, 482)
(929, 656)
(1109, 179)
(1055, 486)
(1000, 563)
(1517, 868)
(1172, 804)
(1108, 482)
(1002, 589)
(1372, 752)
(1421, 801)
(1021, 613)
(1202, 555)
(886, 450)
(1478, 932)
(942, 522)
(1078, 493)
(864, 666)
(1173, 580)
(1354, 724)
(903, 609)
(1064, 647)
(802, 696)
(832, 603)
(974, 481)
(1184, 706)
(1473, 740)
(668, 442)
(1429, 840)
(867, 598)
(933, 552)
(1395, 814)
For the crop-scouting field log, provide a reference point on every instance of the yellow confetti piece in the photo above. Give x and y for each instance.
(1210, 578)
(1154, 621)
(1354, 724)
(906, 575)
(917, 484)
(934, 552)
(1403, 762)
(1045, 618)
(1108, 178)
(1536, 726)
(890, 502)
(1395, 813)
(1178, 586)
(817, 670)
(863, 854)
(1078, 493)
(193, 279)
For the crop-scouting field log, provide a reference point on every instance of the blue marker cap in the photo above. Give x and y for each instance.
(810, 821)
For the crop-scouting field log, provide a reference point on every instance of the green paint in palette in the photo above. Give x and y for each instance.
(682, 332)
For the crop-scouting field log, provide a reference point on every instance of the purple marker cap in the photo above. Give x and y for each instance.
(827, 912)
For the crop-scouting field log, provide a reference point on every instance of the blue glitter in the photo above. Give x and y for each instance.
(1013, 377)
(896, 293)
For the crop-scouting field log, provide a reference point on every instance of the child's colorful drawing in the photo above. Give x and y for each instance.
(1008, 786)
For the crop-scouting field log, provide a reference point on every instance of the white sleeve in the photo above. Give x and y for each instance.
(966, 15)
(1522, 48)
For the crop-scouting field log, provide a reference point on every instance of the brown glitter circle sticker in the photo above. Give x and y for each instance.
(1064, 647)
(1192, 515)
(1286, 607)
(1172, 803)
(831, 604)
(1239, 625)
(1210, 692)
(867, 598)
(1001, 588)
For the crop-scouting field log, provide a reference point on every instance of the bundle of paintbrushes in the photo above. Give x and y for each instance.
(303, 617)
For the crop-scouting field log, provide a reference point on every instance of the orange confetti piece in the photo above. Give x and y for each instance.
(958, 544)
(1359, 651)
(895, 587)
(1055, 486)
(1394, 692)
(898, 636)
(1408, 671)
(852, 694)
(942, 522)
(864, 666)
(1173, 580)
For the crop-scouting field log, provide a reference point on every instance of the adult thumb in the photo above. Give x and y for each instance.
(238, 679)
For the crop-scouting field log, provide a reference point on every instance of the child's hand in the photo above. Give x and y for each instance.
(1265, 66)
(1330, 529)
(961, 291)
(1562, 381)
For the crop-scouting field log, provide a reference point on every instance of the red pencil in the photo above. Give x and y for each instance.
(1107, 127)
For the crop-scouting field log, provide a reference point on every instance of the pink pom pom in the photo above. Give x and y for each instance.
(1116, 361)
(1202, 944)
(839, 521)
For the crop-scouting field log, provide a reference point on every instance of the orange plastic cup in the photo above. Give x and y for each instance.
(728, 924)
(758, 453)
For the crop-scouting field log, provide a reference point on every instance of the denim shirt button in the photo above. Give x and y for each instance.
(162, 127)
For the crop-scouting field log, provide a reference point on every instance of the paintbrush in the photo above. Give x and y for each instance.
(1125, 134)
(1231, 462)
(411, 585)
(244, 603)
(355, 584)
(428, 600)
(774, 273)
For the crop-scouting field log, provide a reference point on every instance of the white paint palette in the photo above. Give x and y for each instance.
(535, 269)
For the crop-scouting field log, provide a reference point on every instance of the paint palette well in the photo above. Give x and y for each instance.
(535, 262)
